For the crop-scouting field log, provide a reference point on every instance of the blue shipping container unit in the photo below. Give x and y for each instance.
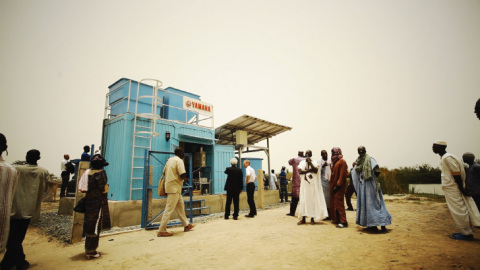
(256, 164)
(118, 147)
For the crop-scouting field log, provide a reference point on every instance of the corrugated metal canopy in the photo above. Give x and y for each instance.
(257, 129)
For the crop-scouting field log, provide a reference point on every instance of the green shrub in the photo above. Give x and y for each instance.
(397, 180)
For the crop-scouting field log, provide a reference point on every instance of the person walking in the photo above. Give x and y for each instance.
(233, 186)
(175, 174)
(94, 183)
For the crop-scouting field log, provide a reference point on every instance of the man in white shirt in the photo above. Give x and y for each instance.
(65, 175)
(250, 179)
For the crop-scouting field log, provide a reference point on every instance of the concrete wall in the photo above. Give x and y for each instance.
(128, 213)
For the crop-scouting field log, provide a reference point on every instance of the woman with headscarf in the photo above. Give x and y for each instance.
(94, 184)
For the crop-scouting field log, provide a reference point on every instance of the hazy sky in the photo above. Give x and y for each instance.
(393, 76)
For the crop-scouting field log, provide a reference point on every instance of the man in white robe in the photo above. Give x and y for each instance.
(462, 208)
(273, 181)
(312, 201)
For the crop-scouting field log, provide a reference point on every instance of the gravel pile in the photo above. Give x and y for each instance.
(59, 226)
(55, 225)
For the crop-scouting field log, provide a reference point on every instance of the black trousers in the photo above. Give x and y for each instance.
(293, 205)
(235, 197)
(476, 198)
(348, 195)
(63, 189)
(250, 198)
(283, 193)
(14, 255)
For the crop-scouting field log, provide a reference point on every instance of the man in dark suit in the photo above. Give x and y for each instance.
(234, 187)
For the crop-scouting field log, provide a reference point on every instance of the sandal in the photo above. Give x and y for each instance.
(301, 222)
(462, 237)
(93, 256)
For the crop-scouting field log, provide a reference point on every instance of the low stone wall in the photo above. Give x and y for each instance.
(128, 213)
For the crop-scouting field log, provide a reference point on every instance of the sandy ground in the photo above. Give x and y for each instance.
(417, 239)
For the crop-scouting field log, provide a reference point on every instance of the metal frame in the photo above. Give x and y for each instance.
(149, 130)
(257, 131)
(147, 188)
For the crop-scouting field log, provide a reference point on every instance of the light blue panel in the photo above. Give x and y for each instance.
(119, 90)
(174, 97)
(118, 134)
(221, 160)
(119, 93)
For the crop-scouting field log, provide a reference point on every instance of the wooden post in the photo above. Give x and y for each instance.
(261, 189)
(78, 218)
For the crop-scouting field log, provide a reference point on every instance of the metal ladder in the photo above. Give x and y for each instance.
(144, 129)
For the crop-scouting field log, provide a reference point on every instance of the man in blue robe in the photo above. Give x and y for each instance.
(371, 210)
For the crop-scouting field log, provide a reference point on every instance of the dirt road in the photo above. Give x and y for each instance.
(417, 239)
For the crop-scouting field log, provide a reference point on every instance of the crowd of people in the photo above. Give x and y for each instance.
(320, 188)
(22, 188)
(21, 193)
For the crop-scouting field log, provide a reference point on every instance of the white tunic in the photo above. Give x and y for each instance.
(8, 185)
(462, 208)
(312, 201)
(273, 180)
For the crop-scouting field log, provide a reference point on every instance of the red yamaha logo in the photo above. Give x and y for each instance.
(193, 104)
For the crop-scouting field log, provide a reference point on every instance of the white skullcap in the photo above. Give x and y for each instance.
(233, 161)
(441, 142)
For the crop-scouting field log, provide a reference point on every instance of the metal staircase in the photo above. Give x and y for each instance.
(197, 207)
(144, 129)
